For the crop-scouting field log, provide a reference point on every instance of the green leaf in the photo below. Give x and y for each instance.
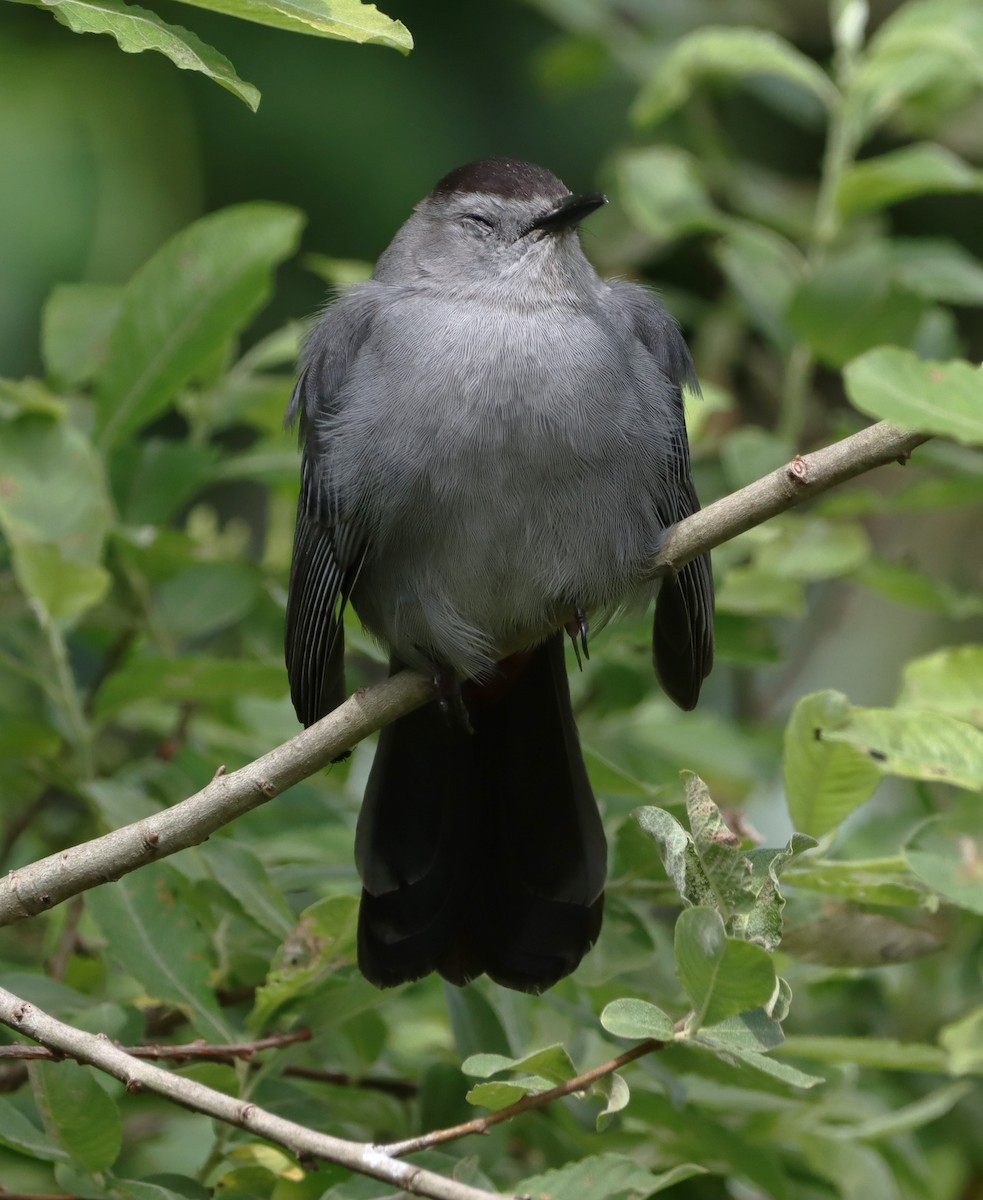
(870, 881)
(346, 20)
(708, 868)
(851, 940)
(723, 976)
(339, 272)
(154, 479)
(761, 922)
(552, 1063)
(322, 942)
(630, 1018)
(745, 641)
(627, 945)
(55, 513)
(204, 598)
(916, 745)
(29, 397)
(236, 869)
(947, 853)
(63, 588)
(894, 385)
(178, 680)
(616, 1094)
(824, 781)
(928, 495)
(962, 1042)
(745, 1040)
(856, 1172)
(725, 867)
(52, 489)
(852, 303)
(938, 269)
(152, 937)
(195, 294)
(907, 585)
(75, 325)
(949, 681)
(663, 193)
(924, 54)
(550, 1066)
(883, 1054)
(18, 1133)
(613, 1176)
(763, 268)
(78, 1113)
(748, 591)
(750, 452)
(915, 170)
(477, 1026)
(253, 399)
(718, 53)
(137, 29)
(910, 1117)
(811, 548)
(501, 1093)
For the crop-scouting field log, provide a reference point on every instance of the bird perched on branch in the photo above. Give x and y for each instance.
(493, 446)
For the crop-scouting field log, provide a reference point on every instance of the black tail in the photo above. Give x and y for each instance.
(482, 852)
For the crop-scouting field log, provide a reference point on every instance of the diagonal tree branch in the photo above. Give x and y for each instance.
(306, 1144)
(33, 889)
(806, 476)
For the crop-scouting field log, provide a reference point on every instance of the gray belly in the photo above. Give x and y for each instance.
(495, 490)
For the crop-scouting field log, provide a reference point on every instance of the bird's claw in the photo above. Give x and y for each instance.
(578, 627)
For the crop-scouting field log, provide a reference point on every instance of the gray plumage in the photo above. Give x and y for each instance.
(491, 434)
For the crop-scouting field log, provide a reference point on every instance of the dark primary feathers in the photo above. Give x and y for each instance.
(328, 548)
(682, 632)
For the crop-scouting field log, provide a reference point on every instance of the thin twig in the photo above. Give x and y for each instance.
(402, 1089)
(35, 888)
(308, 1145)
(5, 1195)
(22, 820)
(532, 1101)
(69, 939)
(13, 1073)
(222, 1052)
(804, 478)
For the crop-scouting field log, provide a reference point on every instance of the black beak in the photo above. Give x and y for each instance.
(568, 214)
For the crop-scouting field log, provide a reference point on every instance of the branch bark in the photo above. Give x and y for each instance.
(806, 476)
(306, 1144)
(39, 886)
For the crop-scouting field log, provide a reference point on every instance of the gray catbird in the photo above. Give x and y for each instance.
(492, 436)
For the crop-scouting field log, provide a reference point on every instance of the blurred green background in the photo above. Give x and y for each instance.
(103, 155)
(783, 263)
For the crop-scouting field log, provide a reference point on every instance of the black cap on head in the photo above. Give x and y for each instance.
(506, 177)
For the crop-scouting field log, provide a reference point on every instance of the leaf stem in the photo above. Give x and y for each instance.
(70, 701)
(842, 142)
(534, 1100)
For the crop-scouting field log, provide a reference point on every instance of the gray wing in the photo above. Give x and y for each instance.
(329, 547)
(682, 633)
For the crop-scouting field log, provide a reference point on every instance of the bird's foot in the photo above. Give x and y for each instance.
(577, 627)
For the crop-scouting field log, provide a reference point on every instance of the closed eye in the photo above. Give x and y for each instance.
(477, 222)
